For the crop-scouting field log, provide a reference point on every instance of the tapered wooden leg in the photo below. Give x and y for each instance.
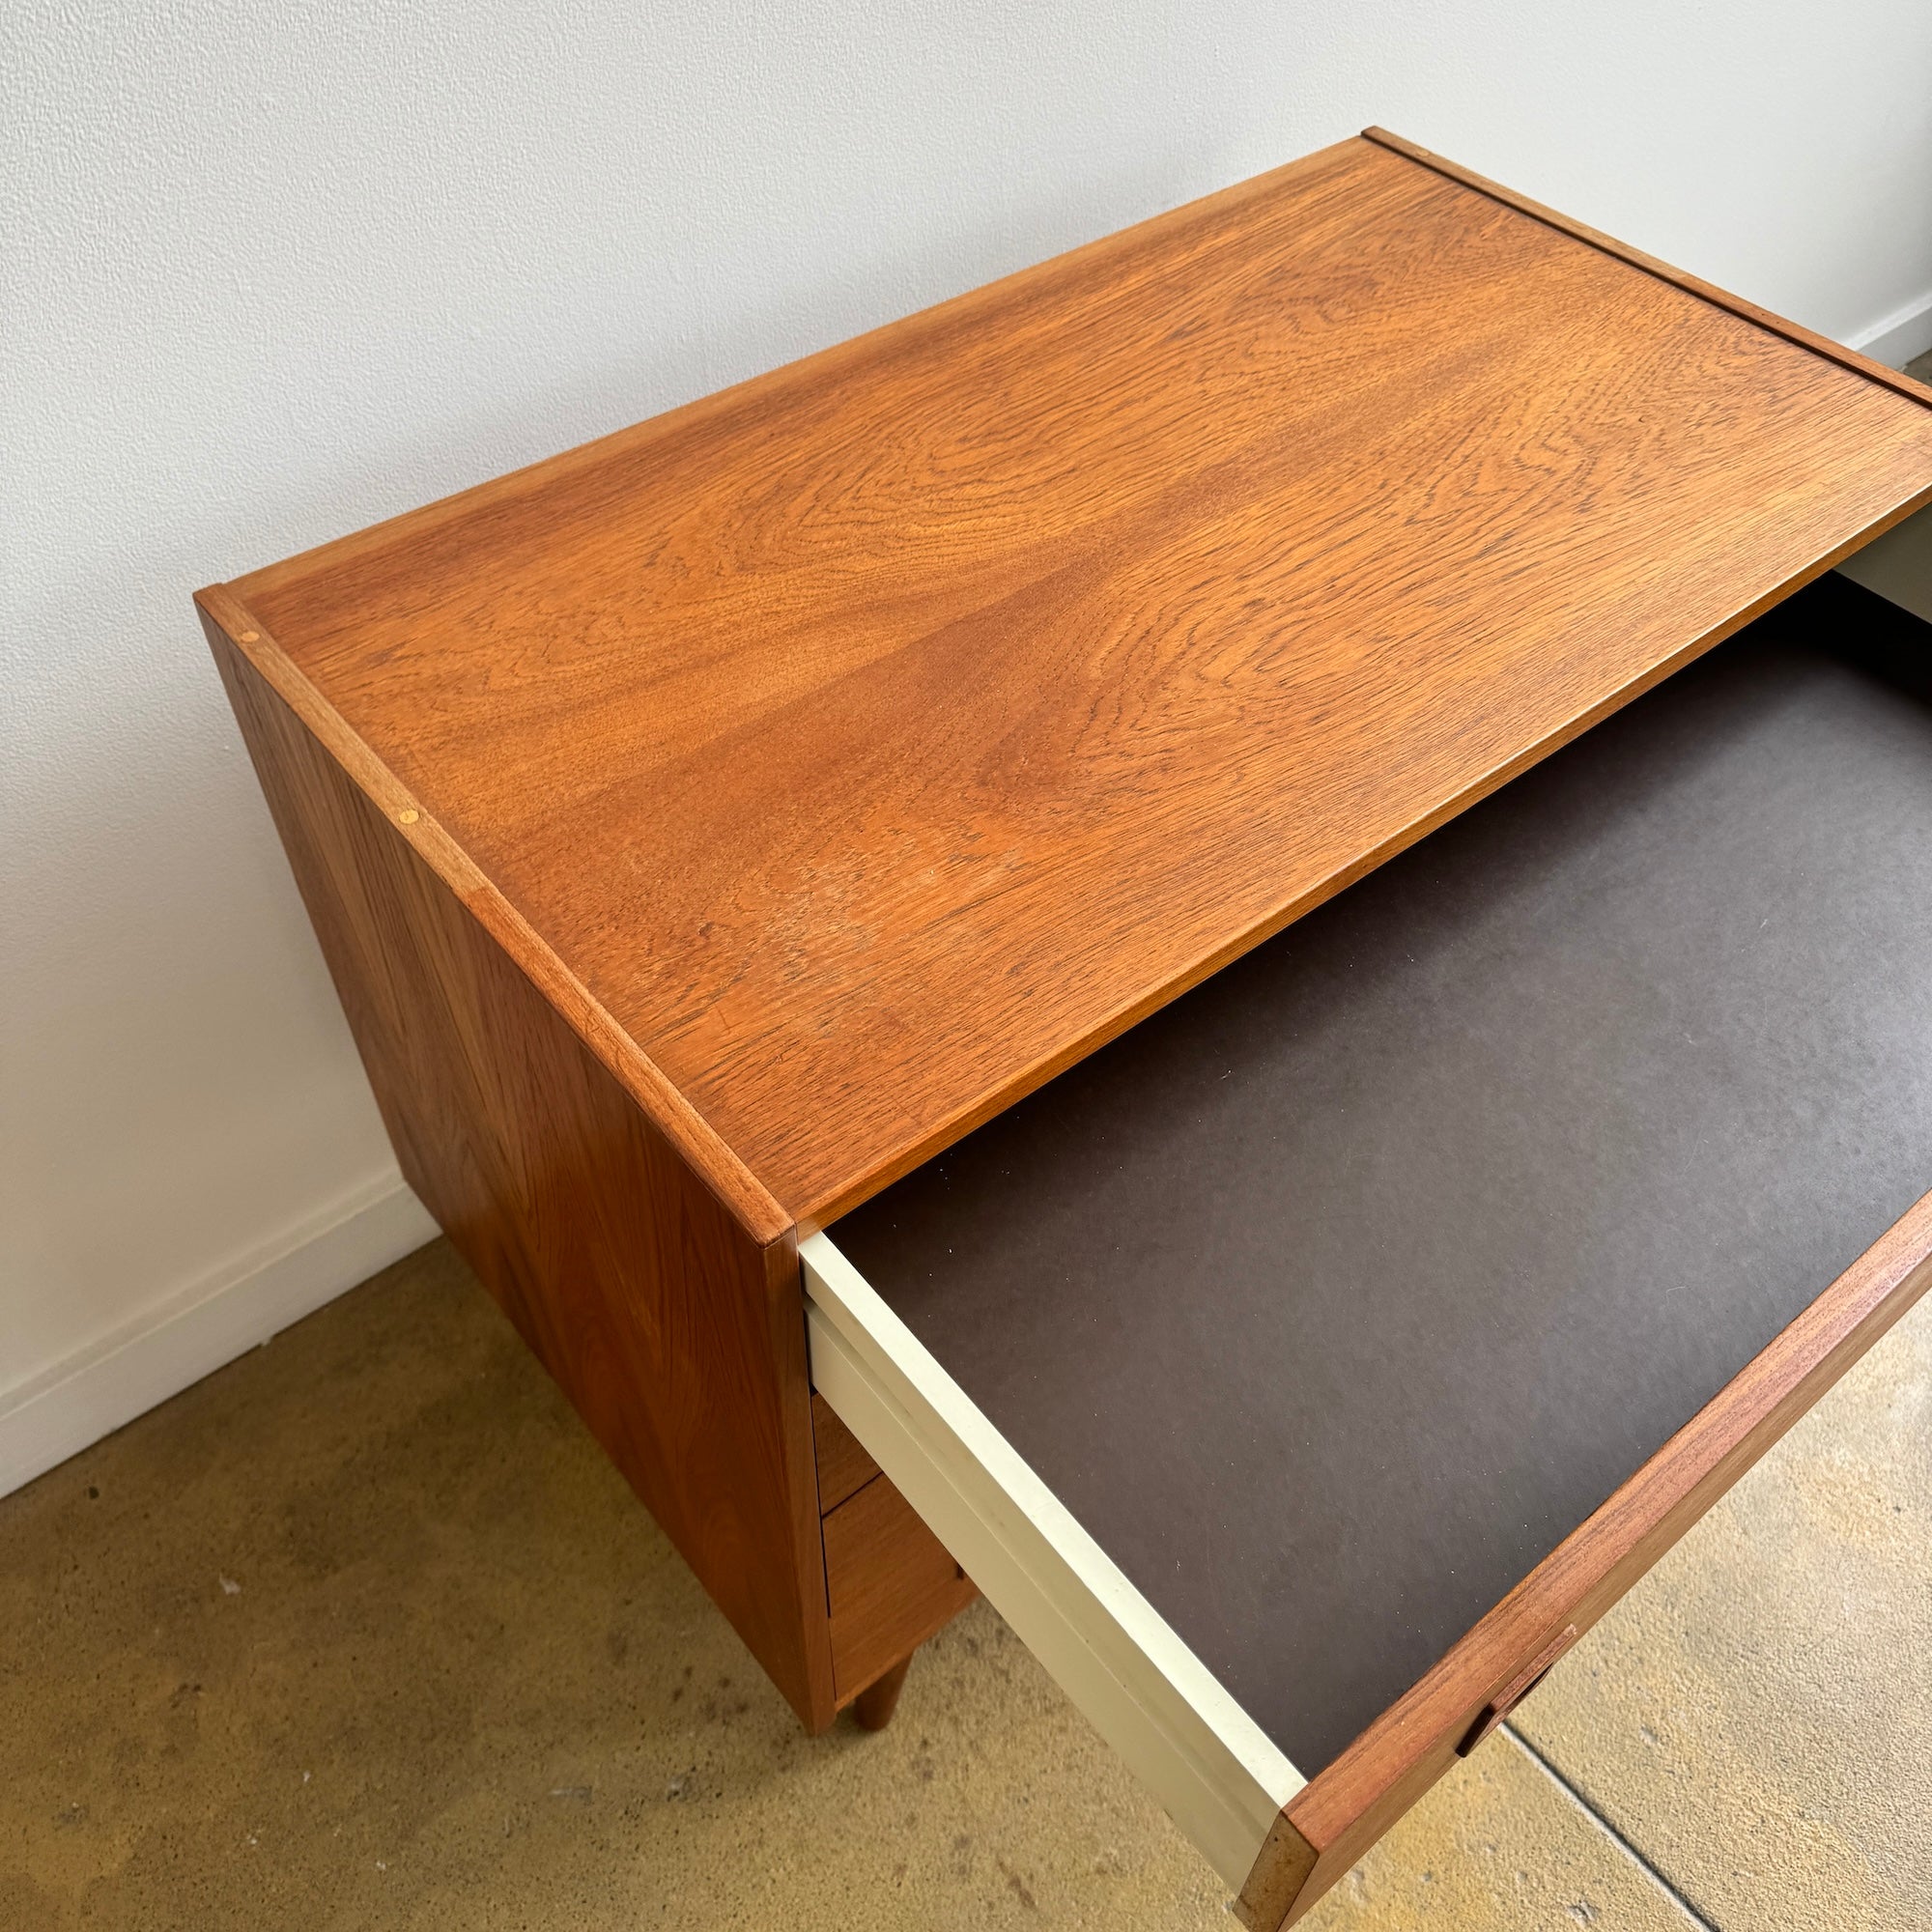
(873, 1707)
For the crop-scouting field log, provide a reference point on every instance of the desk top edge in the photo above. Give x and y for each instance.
(766, 1206)
(231, 626)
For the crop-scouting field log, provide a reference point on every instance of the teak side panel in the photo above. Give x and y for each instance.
(679, 1338)
(1332, 1822)
(838, 732)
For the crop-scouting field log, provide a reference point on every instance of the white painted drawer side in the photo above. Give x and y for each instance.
(1218, 1775)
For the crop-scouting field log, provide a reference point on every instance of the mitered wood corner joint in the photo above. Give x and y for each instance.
(1517, 1689)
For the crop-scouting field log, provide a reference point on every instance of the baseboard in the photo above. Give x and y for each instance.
(158, 1352)
(1899, 338)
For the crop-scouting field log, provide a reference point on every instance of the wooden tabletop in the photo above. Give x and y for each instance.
(849, 752)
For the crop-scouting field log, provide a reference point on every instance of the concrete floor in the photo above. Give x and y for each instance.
(363, 1632)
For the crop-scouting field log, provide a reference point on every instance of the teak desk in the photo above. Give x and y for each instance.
(737, 842)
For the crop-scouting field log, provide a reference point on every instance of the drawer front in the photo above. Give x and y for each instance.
(843, 1467)
(889, 1582)
(1219, 1778)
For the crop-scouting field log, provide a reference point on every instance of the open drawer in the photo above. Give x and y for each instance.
(1300, 1373)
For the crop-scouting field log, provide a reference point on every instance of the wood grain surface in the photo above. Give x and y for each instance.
(844, 1463)
(891, 1584)
(679, 1338)
(1792, 331)
(1340, 1813)
(860, 746)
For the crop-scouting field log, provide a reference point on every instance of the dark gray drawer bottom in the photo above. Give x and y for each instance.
(1332, 1297)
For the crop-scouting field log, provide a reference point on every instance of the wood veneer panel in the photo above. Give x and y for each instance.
(1392, 1300)
(843, 1464)
(1805, 338)
(891, 1584)
(679, 1336)
(870, 741)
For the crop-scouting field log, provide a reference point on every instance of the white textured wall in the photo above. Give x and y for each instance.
(272, 271)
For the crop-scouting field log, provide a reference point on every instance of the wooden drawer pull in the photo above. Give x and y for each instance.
(1517, 1689)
